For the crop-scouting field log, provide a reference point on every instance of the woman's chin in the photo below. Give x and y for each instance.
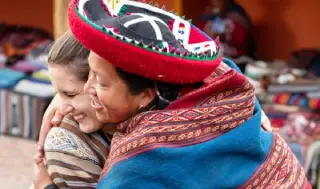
(102, 117)
(88, 125)
(87, 128)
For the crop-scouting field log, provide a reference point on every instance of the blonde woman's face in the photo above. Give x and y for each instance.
(72, 94)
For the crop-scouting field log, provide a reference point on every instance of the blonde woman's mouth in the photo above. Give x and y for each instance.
(79, 117)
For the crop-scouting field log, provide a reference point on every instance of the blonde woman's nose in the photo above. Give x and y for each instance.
(66, 109)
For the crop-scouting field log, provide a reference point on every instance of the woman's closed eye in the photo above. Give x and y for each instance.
(69, 95)
(101, 84)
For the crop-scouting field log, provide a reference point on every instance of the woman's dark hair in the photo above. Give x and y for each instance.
(137, 84)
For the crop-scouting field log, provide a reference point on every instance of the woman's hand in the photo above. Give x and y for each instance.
(41, 175)
(265, 122)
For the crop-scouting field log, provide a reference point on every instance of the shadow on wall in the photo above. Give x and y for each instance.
(193, 9)
(273, 35)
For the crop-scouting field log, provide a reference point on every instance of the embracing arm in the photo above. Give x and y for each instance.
(53, 116)
(70, 161)
(71, 171)
(50, 118)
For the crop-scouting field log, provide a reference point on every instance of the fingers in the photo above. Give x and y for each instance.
(41, 176)
(41, 150)
(38, 159)
(57, 118)
(45, 128)
(265, 122)
(46, 121)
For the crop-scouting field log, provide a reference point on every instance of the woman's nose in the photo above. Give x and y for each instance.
(66, 109)
(89, 87)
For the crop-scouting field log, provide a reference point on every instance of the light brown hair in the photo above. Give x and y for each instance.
(68, 51)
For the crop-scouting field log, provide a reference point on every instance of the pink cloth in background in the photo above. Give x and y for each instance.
(25, 67)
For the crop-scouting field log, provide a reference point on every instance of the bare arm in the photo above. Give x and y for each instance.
(41, 177)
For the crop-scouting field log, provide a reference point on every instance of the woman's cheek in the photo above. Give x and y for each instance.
(85, 101)
(76, 103)
(103, 97)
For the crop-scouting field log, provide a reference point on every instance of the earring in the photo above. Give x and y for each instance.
(141, 106)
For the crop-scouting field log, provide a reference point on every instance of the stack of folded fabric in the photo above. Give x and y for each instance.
(278, 114)
(39, 62)
(34, 88)
(257, 70)
(42, 75)
(25, 67)
(302, 93)
(23, 105)
(260, 74)
(21, 114)
(296, 86)
(25, 88)
(9, 78)
(38, 85)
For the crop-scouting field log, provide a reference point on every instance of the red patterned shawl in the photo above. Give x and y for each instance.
(222, 104)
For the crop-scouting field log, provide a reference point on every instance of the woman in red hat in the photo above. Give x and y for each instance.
(186, 118)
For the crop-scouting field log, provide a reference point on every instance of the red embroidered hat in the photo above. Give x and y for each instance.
(145, 40)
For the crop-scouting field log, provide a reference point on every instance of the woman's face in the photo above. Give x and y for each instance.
(72, 94)
(110, 95)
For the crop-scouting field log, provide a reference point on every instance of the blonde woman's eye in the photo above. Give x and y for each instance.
(70, 95)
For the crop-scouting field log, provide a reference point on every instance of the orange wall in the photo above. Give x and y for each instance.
(284, 25)
(39, 13)
(280, 26)
(36, 13)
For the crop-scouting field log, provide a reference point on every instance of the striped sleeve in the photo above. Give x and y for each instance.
(70, 160)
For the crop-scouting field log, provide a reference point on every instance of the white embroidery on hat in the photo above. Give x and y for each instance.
(81, 6)
(151, 20)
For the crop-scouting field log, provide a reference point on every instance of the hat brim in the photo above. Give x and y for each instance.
(136, 58)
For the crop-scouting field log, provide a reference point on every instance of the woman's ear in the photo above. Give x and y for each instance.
(146, 97)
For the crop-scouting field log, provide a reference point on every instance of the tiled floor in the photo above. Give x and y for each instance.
(16, 167)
